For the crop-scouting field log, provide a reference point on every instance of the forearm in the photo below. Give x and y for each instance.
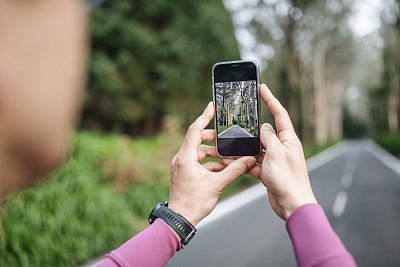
(314, 241)
(152, 247)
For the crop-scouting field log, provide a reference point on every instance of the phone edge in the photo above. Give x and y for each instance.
(215, 108)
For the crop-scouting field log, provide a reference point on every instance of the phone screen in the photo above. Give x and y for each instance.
(237, 111)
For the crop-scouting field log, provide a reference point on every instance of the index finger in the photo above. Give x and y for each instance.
(193, 135)
(284, 126)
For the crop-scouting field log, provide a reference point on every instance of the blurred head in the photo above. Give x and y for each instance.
(43, 51)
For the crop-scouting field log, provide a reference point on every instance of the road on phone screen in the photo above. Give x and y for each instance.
(235, 131)
(356, 182)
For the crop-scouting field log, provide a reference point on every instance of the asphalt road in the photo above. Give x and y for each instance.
(356, 182)
(235, 131)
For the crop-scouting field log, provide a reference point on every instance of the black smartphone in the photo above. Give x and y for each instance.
(236, 98)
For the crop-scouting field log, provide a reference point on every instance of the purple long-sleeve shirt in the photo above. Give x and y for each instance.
(314, 242)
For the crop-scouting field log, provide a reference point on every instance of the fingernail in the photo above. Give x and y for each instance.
(268, 126)
(251, 162)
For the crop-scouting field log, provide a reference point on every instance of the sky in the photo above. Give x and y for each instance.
(366, 18)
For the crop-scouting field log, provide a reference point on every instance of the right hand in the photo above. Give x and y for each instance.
(283, 170)
(195, 188)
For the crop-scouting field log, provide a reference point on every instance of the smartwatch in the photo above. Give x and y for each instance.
(177, 222)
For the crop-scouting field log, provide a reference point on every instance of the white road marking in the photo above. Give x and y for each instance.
(340, 204)
(257, 191)
(347, 180)
(349, 171)
(385, 157)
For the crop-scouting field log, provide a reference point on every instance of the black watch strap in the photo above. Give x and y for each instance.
(177, 222)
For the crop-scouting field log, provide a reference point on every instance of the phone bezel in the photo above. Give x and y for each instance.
(258, 106)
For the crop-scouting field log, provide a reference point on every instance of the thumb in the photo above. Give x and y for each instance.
(235, 170)
(268, 136)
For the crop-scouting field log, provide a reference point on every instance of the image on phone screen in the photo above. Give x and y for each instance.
(237, 109)
(236, 116)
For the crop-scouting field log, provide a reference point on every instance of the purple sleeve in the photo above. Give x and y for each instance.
(314, 241)
(150, 248)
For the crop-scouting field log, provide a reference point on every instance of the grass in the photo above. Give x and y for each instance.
(96, 201)
(312, 149)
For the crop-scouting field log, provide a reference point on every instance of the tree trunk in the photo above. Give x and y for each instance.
(336, 121)
(393, 104)
(292, 69)
(394, 85)
(320, 105)
(254, 107)
(307, 106)
(248, 106)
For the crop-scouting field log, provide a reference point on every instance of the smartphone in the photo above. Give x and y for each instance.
(236, 98)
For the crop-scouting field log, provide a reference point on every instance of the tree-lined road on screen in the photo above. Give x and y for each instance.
(358, 185)
(234, 131)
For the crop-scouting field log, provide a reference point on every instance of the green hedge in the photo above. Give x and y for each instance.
(223, 128)
(313, 149)
(390, 142)
(85, 209)
(95, 202)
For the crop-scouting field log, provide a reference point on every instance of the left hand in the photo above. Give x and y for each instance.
(195, 188)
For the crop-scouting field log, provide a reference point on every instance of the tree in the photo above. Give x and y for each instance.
(150, 58)
(309, 40)
(390, 20)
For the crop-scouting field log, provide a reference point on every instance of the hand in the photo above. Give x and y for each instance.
(283, 171)
(195, 188)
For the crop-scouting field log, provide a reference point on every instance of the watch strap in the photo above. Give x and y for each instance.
(176, 221)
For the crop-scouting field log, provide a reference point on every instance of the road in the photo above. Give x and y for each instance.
(356, 182)
(235, 131)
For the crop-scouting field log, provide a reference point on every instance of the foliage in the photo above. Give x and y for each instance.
(242, 124)
(95, 202)
(385, 99)
(254, 130)
(353, 126)
(91, 205)
(313, 149)
(150, 58)
(390, 142)
(235, 102)
(223, 128)
(66, 219)
(308, 51)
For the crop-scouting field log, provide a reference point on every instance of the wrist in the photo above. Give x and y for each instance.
(186, 213)
(297, 204)
(182, 227)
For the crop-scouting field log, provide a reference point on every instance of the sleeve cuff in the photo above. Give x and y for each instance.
(313, 238)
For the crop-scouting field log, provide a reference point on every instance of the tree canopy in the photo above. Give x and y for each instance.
(152, 58)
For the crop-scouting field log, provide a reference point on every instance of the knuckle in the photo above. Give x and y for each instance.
(238, 169)
(173, 162)
(179, 161)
